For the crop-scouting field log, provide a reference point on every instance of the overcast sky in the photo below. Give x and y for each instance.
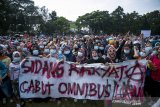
(71, 9)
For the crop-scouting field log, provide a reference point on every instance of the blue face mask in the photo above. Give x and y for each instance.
(53, 51)
(154, 52)
(35, 52)
(148, 49)
(142, 54)
(17, 59)
(46, 51)
(96, 47)
(101, 48)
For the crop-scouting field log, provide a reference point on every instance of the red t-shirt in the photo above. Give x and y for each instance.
(155, 74)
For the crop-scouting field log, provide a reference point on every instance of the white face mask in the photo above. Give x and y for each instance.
(16, 59)
(148, 49)
(66, 52)
(154, 53)
(24, 49)
(96, 47)
(126, 51)
(6, 46)
(52, 51)
(97, 40)
(59, 52)
(44, 43)
(35, 52)
(41, 46)
(80, 54)
(46, 51)
(95, 58)
(101, 48)
(142, 54)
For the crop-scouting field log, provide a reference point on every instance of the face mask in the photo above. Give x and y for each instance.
(59, 52)
(126, 51)
(96, 47)
(6, 46)
(46, 51)
(24, 49)
(52, 51)
(148, 49)
(154, 53)
(16, 59)
(35, 52)
(95, 58)
(44, 43)
(142, 54)
(66, 52)
(97, 40)
(101, 48)
(80, 54)
(41, 46)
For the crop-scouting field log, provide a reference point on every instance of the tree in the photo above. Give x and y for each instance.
(62, 25)
(53, 15)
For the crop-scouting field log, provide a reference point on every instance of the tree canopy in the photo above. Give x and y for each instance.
(23, 15)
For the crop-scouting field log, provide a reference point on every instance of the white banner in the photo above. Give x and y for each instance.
(42, 77)
(146, 33)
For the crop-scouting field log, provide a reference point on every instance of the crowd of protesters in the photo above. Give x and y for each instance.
(79, 49)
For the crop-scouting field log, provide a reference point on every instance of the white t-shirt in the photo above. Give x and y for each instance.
(14, 71)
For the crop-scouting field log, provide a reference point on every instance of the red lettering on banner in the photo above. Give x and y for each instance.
(106, 71)
(113, 71)
(92, 90)
(80, 89)
(87, 85)
(56, 70)
(121, 71)
(85, 90)
(73, 68)
(36, 86)
(25, 67)
(134, 73)
(71, 88)
(37, 70)
(22, 89)
(60, 88)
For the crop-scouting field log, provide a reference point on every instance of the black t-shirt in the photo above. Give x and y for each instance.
(99, 60)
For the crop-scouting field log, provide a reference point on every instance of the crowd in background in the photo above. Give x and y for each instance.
(79, 49)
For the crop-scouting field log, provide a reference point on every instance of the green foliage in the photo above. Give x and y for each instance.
(23, 15)
(119, 22)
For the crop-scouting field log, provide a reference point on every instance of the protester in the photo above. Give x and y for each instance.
(95, 58)
(81, 56)
(14, 69)
(90, 49)
(5, 82)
